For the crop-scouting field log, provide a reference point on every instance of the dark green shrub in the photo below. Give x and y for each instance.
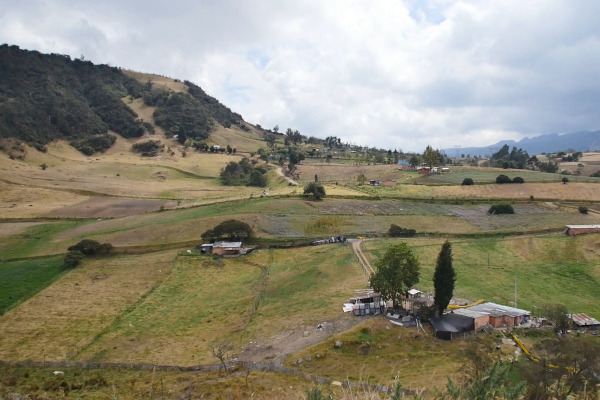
(503, 179)
(467, 182)
(583, 209)
(501, 209)
(565, 180)
(518, 179)
(397, 231)
(73, 259)
(315, 189)
(150, 148)
(91, 247)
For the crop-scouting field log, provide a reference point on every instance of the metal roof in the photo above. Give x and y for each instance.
(414, 291)
(583, 226)
(498, 310)
(229, 245)
(469, 312)
(584, 320)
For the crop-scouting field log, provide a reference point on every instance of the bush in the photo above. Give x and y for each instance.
(315, 189)
(149, 148)
(518, 179)
(89, 247)
(565, 180)
(501, 209)
(73, 259)
(397, 231)
(467, 182)
(503, 179)
(93, 144)
(583, 209)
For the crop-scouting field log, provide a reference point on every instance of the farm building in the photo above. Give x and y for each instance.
(573, 230)
(479, 319)
(452, 326)
(424, 170)
(584, 321)
(228, 248)
(500, 316)
(404, 165)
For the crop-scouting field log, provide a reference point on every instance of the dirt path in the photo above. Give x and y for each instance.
(279, 171)
(361, 257)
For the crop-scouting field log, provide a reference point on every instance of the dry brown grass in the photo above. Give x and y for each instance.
(65, 317)
(157, 80)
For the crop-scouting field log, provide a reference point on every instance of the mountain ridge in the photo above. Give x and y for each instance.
(584, 141)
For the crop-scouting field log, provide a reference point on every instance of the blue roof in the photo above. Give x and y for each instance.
(402, 162)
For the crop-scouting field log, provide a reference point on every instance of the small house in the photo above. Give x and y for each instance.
(424, 170)
(479, 319)
(584, 321)
(573, 230)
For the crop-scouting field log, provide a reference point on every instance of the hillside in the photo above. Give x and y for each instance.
(48, 97)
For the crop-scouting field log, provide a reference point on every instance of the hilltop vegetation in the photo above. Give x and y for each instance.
(48, 97)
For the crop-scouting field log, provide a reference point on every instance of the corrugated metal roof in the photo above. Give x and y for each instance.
(230, 245)
(498, 310)
(584, 320)
(469, 312)
(583, 226)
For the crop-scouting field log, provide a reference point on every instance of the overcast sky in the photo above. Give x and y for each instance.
(384, 73)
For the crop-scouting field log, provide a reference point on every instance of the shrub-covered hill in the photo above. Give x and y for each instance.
(44, 97)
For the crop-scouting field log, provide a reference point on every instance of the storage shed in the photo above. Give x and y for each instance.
(227, 248)
(573, 230)
(451, 326)
(500, 316)
(584, 321)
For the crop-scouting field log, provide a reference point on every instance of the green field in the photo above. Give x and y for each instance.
(20, 280)
(549, 269)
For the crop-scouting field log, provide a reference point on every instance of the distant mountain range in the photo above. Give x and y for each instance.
(584, 141)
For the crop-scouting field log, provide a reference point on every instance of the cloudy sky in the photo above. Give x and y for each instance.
(399, 74)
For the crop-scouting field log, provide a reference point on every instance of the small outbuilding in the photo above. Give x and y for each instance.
(452, 326)
(584, 321)
(573, 230)
(227, 248)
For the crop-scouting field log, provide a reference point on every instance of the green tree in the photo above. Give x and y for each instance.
(361, 179)
(557, 314)
(315, 189)
(431, 156)
(443, 279)
(397, 271)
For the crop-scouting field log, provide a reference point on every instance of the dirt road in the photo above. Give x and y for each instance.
(361, 257)
(279, 171)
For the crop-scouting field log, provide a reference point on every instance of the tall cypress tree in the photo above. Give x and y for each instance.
(443, 279)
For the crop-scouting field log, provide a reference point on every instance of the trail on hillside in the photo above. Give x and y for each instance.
(280, 172)
(361, 257)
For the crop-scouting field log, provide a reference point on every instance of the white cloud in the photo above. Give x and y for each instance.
(382, 73)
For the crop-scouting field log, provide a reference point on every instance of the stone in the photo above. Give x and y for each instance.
(305, 334)
(338, 344)
(308, 358)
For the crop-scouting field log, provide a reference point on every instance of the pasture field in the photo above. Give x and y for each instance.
(206, 300)
(19, 280)
(66, 316)
(549, 269)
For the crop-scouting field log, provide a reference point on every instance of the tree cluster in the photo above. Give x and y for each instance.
(85, 248)
(93, 144)
(398, 231)
(243, 173)
(150, 148)
(53, 97)
(229, 230)
(507, 158)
